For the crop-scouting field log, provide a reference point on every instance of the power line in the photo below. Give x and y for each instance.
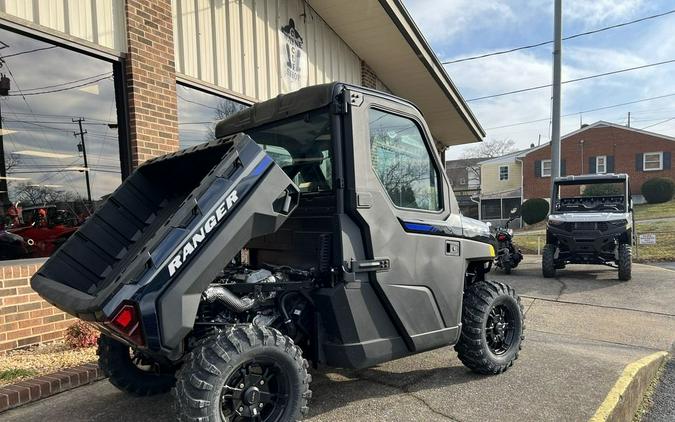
(67, 83)
(59, 90)
(659, 123)
(545, 119)
(581, 34)
(614, 72)
(27, 51)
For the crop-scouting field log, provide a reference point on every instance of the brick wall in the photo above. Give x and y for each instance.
(151, 79)
(613, 141)
(368, 76)
(26, 319)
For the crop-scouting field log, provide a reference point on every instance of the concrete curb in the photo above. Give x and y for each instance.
(624, 398)
(35, 389)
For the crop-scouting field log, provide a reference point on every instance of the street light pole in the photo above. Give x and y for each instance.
(555, 112)
(84, 155)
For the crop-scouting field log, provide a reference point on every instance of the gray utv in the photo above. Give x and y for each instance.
(318, 227)
(591, 222)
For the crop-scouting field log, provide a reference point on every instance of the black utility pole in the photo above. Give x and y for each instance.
(82, 147)
(4, 191)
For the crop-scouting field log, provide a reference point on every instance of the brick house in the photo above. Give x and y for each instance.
(601, 147)
(135, 79)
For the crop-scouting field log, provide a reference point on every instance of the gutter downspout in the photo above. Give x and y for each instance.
(522, 192)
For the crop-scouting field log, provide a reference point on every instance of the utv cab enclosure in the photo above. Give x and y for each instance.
(591, 222)
(318, 226)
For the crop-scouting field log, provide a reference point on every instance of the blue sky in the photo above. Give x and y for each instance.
(460, 28)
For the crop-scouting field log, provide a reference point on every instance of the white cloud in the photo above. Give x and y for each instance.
(443, 20)
(595, 12)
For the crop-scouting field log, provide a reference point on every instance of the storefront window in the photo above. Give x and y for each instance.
(198, 112)
(59, 146)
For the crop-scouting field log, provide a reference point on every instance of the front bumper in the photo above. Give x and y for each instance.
(590, 239)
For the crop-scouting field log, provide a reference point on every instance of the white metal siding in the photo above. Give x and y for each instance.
(234, 44)
(98, 21)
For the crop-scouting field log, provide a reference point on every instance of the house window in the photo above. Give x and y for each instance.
(601, 164)
(51, 181)
(198, 113)
(503, 172)
(652, 161)
(545, 168)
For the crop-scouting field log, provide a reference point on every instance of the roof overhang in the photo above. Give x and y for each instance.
(382, 33)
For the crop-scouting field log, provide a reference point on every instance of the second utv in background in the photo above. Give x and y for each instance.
(591, 222)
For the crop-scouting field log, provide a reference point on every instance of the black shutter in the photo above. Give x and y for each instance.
(591, 165)
(638, 162)
(537, 168)
(563, 168)
(666, 160)
(610, 164)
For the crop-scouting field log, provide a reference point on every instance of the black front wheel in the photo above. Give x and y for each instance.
(625, 262)
(132, 372)
(548, 264)
(492, 328)
(244, 373)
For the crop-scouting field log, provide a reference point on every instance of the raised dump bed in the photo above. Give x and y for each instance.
(168, 211)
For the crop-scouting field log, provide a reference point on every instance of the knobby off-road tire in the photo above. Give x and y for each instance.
(219, 375)
(487, 304)
(625, 262)
(548, 261)
(115, 361)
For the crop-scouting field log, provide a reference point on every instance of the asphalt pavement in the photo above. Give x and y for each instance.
(583, 328)
(663, 400)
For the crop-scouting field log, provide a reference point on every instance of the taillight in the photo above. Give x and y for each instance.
(127, 323)
(501, 237)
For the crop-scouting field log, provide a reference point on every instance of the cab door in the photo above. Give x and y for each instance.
(400, 191)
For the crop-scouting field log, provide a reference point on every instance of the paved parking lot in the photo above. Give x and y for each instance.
(582, 329)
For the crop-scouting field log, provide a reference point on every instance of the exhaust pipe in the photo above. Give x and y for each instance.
(227, 298)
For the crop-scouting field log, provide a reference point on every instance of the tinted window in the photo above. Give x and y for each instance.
(402, 162)
(301, 146)
(59, 140)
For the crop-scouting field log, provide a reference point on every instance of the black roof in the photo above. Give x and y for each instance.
(591, 178)
(291, 104)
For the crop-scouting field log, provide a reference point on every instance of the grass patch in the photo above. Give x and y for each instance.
(651, 211)
(664, 250)
(16, 373)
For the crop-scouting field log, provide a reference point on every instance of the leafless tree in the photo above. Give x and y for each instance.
(487, 149)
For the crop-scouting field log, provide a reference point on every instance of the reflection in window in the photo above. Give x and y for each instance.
(198, 112)
(402, 162)
(52, 174)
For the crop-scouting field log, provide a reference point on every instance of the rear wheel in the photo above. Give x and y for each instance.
(132, 372)
(492, 328)
(625, 262)
(244, 373)
(548, 261)
(506, 264)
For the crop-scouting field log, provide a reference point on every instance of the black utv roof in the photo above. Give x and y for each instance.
(591, 178)
(291, 104)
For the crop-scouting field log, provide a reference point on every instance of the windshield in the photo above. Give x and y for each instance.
(301, 146)
(600, 196)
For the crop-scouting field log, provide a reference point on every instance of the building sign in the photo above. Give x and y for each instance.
(293, 58)
(647, 239)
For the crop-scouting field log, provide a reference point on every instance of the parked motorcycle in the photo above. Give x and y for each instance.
(508, 254)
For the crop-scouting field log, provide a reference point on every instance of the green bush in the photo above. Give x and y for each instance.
(534, 210)
(604, 189)
(658, 190)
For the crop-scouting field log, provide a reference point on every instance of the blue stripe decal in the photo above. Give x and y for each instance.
(262, 166)
(419, 227)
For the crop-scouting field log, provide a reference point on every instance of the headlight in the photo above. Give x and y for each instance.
(618, 222)
(555, 222)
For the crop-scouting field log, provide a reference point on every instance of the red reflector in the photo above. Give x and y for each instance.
(125, 318)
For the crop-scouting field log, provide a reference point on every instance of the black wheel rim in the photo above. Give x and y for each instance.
(500, 329)
(257, 390)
